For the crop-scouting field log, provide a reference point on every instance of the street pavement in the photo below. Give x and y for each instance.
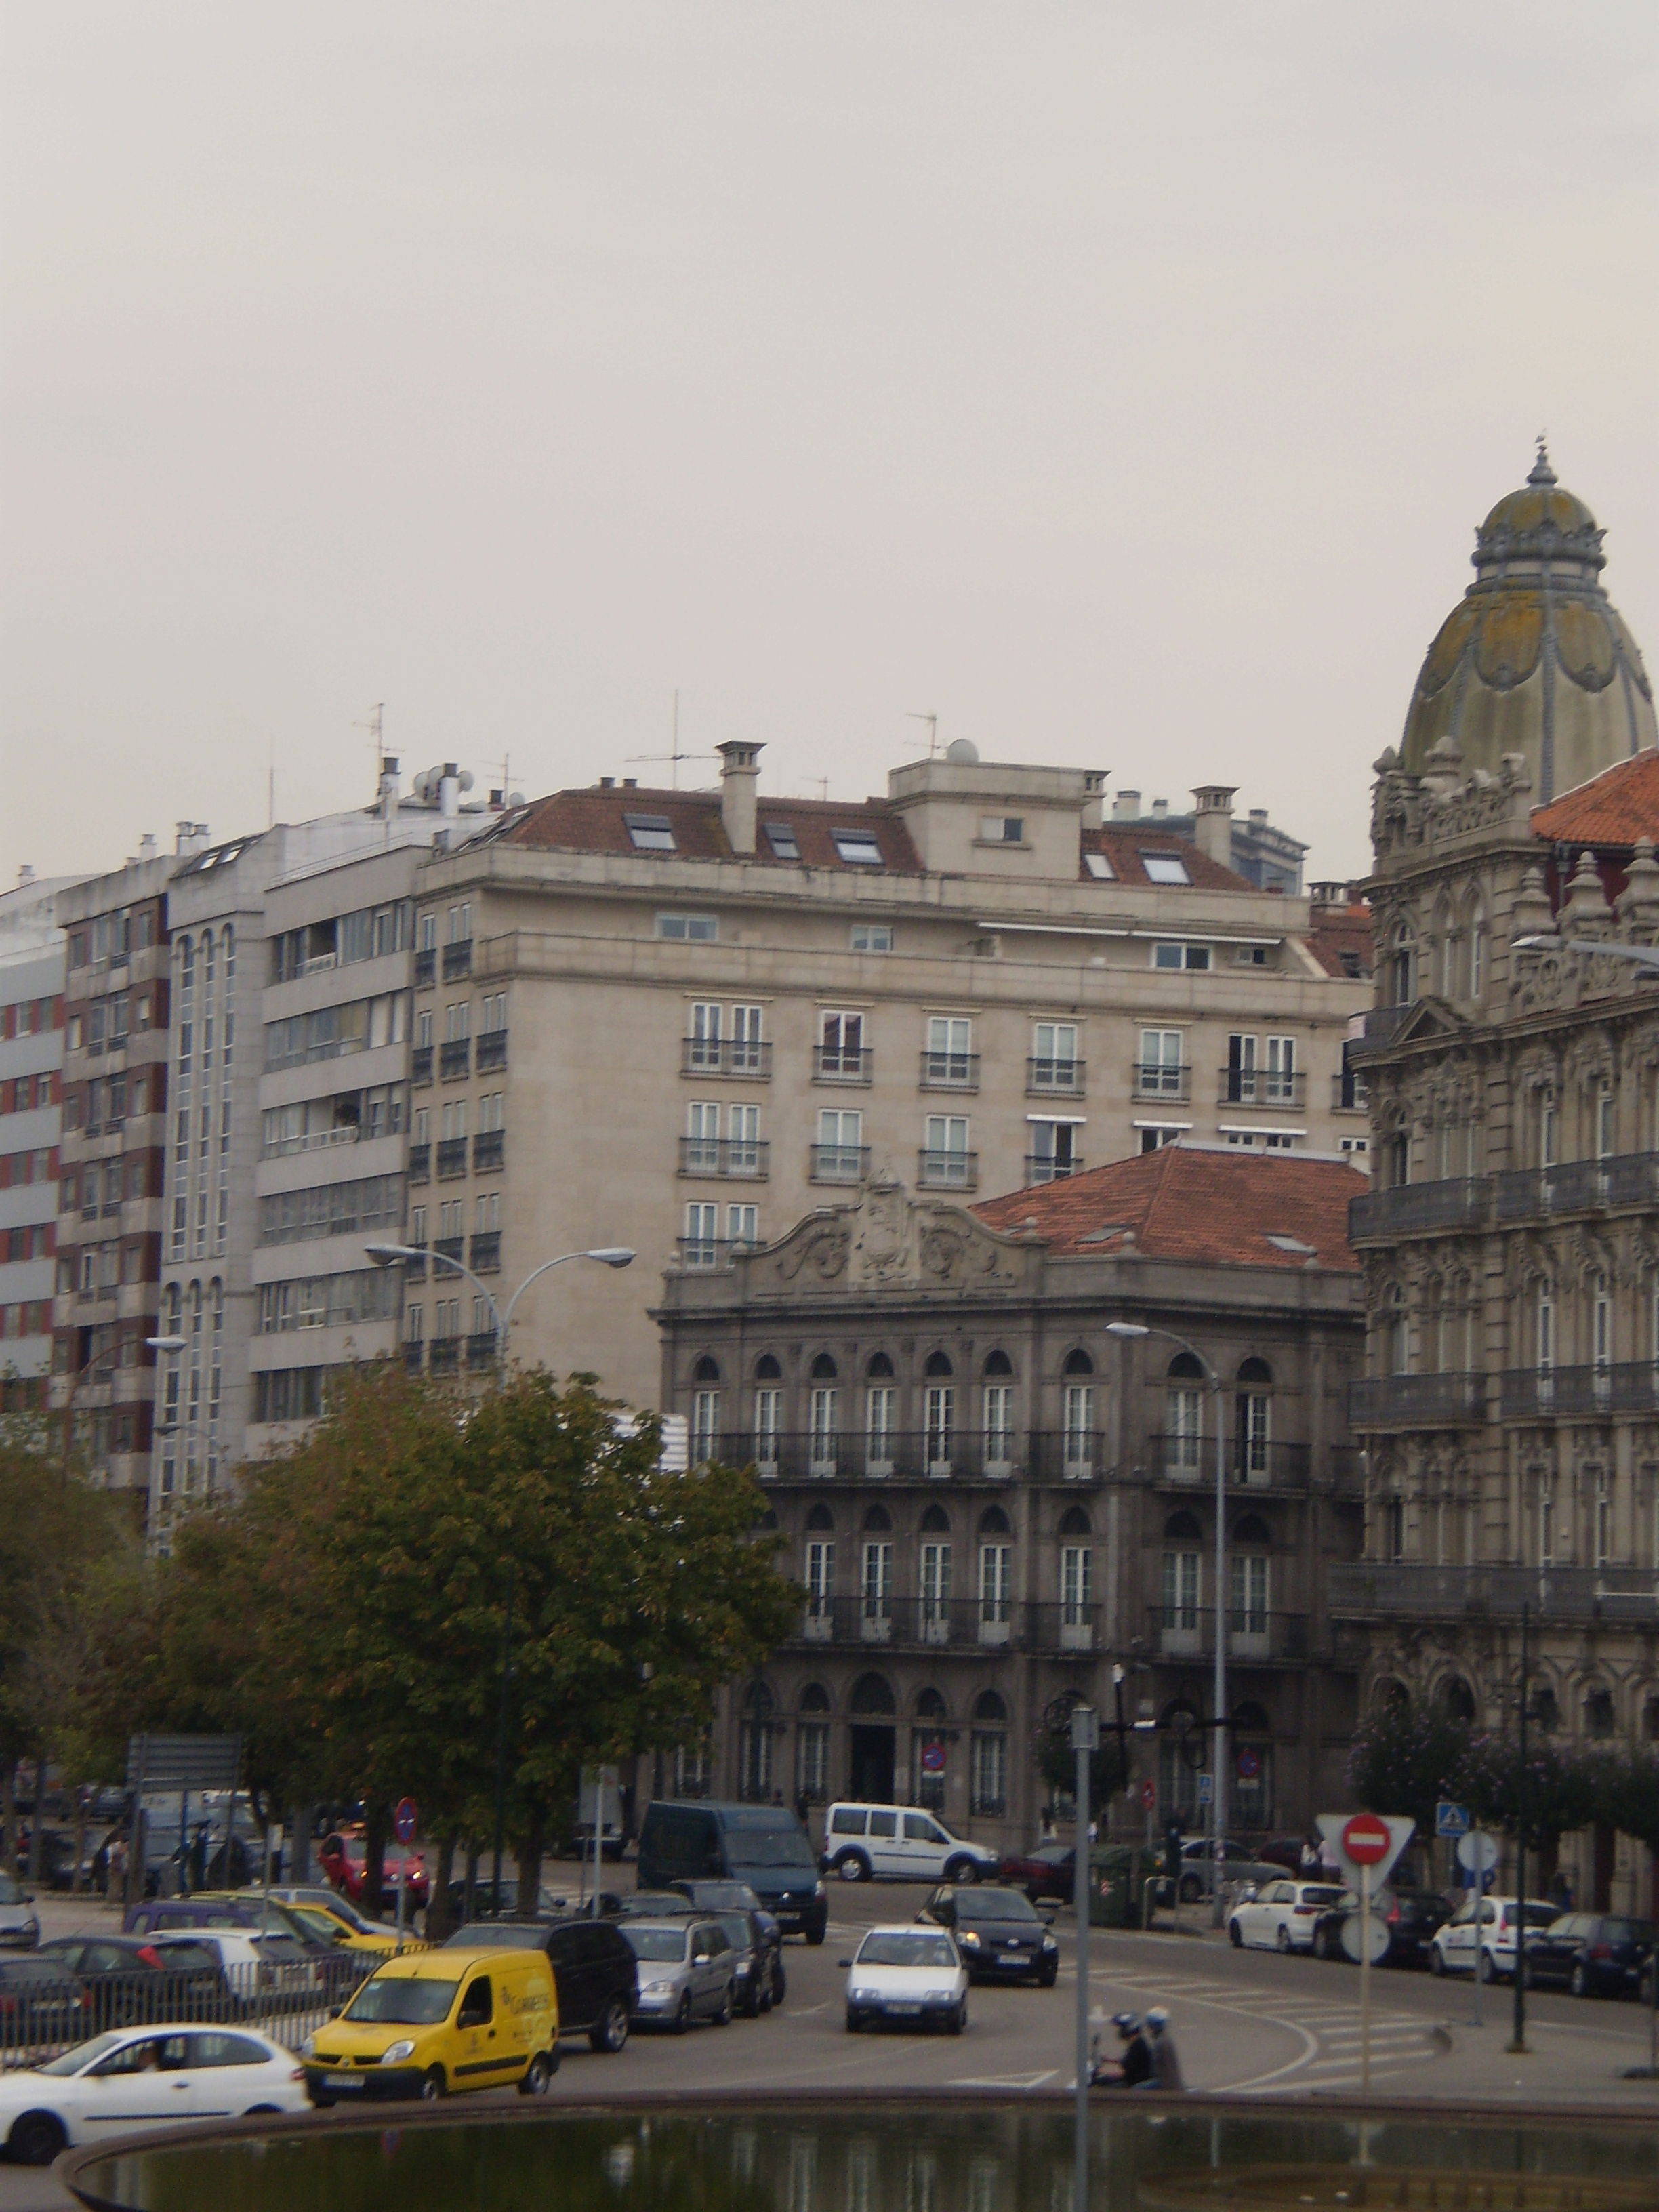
(1249, 2022)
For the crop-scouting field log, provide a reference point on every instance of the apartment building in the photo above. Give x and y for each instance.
(1258, 850)
(676, 1021)
(1511, 1399)
(989, 1499)
(31, 1103)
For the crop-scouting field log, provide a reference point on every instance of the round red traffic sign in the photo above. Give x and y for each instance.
(1149, 1795)
(1366, 1840)
(932, 1758)
(405, 1820)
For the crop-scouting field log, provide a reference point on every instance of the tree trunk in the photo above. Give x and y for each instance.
(470, 1903)
(374, 1858)
(80, 1841)
(529, 1866)
(439, 1918)
(296, 1864)
(8, 1815)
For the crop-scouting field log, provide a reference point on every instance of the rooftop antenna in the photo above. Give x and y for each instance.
(372, 726)
(931, 721)
(673, 758)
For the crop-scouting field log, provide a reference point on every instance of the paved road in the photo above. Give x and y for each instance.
(1250, 2022)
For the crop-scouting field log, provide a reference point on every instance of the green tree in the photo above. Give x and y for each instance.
(1405, 1759)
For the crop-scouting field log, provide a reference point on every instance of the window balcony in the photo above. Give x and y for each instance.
(1579, 1187)
(739, 1158)
(1067, 1455)
(1401, 1591)
(414, 1354)
(445, 1357)
(1261, 1086)
(486, 1259)
(745, 1058)
(1417, 1402)
(449, 1247)
(834, 1063)
(1154, 1079)
(1550, 1393)
(1043, 1167)
(488, 1151)
(947, 1171)
(492, 1051)
(454, 1058)
(949, 1071)
(420, 1064)
(837, 1163)
(1055, 1078)
(481, 1348)
(419, 1163)
(426, 967)
(457, 960)
(415, 1267)
(1066, 1627)
(451, 1158)
(706, 1252)
(1460, 1202)
(1252, 1463)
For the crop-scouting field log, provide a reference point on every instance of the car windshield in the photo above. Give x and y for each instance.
(721, 1894)
(1535, 1916)
(996, 1904)
(317, 1925)
(1312, 1896)
(903, 1949)
(11, 1892)
(84, 2054)
(1627, 1931)
(737, 1931)
(764, 1838)
(661, 1945)
(402, 2000)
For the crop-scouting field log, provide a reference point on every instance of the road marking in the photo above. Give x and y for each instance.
(1001, 2081)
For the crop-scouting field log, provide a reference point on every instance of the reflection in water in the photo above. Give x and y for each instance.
(910, 2156)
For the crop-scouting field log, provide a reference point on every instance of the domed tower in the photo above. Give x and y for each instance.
(1536, 660)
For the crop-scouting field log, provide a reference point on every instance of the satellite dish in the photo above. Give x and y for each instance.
(961, 752)
(464, 779)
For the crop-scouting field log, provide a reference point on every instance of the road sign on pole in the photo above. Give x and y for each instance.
(1451, 1820)
(405, 1820)
(1396, 1828)
(1149, 1795)
(1206, 1789)
(1477, 1852)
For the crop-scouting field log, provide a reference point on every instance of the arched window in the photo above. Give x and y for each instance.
(1477, 948)
(820, 1517)
(872, 1694)
(815, 1699)
(1255, 1371)
(1457, 1698)
(998, 1363)
(812, 1744)
(1075, 1522)
(1546, 1711)
(880, 1368)
(938, 1364)
(1079, 1442)
(987, 1757)
(705, 1370)
(756, 1733)
(994, 1522)
(989, 1708)
(1598, 1713)
(1078, 1363)
(877, 1518)
(930, 1705)
(936, 1520)
(1183, 1418)
(766, 1368)
(824, 1369)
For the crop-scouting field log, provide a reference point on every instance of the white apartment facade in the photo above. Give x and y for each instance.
(31, 1106)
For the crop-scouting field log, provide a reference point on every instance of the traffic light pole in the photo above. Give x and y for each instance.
(1085, 1740)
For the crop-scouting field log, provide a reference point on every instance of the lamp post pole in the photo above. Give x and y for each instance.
(387, 1255)
(1129, 1329)
(169, 1344)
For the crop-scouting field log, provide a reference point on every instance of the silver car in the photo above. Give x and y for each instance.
(688, 1971)
(20, 1926)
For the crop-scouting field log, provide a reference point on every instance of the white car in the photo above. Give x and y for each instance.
(908, 1973)
(258, 1970)
(1451, 1947)
(897, 1843)
(145, 2077)
(1281, 1915)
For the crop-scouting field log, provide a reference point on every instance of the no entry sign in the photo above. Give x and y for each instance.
(1381, 1837)
(1366, 1840)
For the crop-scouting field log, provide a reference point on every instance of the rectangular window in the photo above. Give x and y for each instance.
(708, 1021)
(742, 1225)
(935, 1589)
(651, 833)
(700, 1248)
(858, 847)
(342, 1209)
(998, 1426)
(949, 1057)
(946, 1156)
(820, 1578)
(1076, 1584)
(769, 1424)
(492, 1112)
(880, 1415)
(872, 937)
(1077, 1431)
(1180, 1591)
(840, 1046)
(1002, 829)
(875, 1583)
(824, 1437)
(1053, 1055)
(696, 928)
(1280, 1086)
(747, 1055)
(939, 1414)
(1247, 1571)
(705, 1426)
(1161, 1074)
(1195, 957)
(996, 1583)
(987, 1778)
(1184, 1433)
(813, 1775)
(780, 837)
(838, 1156)
(1164, 868)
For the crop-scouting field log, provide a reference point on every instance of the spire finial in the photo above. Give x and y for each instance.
(1542, 473)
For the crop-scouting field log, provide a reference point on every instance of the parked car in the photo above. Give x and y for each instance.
(131, 2078)
(764, 1845)
(687, 1970)
(1048, 1871)
(726, 1897)
(1284, 1852)
(1239, 1864)
(337, 1925)
(593, 1968)
(19, 1923)
(998, 1932)
(913, 1973)
(1411, 1916)
(435, 2023)
(894, 1843)
(1594, 1954)
(646, 1904)
(1281, 1915)
(40, 2002)
(127, 1979)
(545, 1904)
(262, 1973)
(344, 1860)
(1452, 1950)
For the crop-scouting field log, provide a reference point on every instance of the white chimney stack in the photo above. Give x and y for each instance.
(739, 782)
(1213, 821)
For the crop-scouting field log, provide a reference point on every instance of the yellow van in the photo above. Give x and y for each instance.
(432, 2023)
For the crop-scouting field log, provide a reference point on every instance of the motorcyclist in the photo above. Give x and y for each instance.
(1166, 2060)
(1132, 2067)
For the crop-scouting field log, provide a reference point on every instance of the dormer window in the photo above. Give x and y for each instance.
(858, 847)
(1100, 868)
(1164, 868)
(780, 837)
(651, 833)
(1002, 829)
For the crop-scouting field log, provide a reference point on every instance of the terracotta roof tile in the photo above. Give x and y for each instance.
(1340, 939)
(1123, 849)
(1214, 1208)
(595, 821)
(1614, 808)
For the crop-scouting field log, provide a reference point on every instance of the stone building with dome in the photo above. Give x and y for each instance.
(1510, 1239)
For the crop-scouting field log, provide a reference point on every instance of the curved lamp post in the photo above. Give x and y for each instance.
(168, 1344)
(388, 1255)
(1128, 1329)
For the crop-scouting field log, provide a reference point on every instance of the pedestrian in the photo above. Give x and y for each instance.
(1561, 1890)
(1132, 2067)
(1166, 2059)
(115, 1863)
(1311, 1860)
(803, 1807)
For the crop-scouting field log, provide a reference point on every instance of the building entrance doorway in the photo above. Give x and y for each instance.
(873, 1762)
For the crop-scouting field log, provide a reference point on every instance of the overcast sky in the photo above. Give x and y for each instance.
(1122, 384)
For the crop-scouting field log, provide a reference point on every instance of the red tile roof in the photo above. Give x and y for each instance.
(1123, 849)
(595, 821)
(1216, 1208)
(1340, 939)
(1614, 808)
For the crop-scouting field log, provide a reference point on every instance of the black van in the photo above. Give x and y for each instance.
(764, 1845)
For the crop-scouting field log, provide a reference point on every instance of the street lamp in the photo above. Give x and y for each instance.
(1129, 1329)
(1644, 955)
(387, 1255)
(156, 1343)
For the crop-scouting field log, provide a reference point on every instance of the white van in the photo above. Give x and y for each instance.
(895, 1843)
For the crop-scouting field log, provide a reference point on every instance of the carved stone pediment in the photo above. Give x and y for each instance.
(1431, 1018)
(888, 1239)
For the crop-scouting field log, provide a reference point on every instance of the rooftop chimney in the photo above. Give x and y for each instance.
(147, 846)
(739, 777)
(25, 876)
(1213, 822)
(390, 788)
(1126, 807)
(189, 837)
(1160, 808)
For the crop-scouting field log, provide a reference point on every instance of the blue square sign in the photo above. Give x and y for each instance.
(1451, 1820)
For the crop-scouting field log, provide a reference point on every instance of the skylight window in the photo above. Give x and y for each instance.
(1100, 868)
(1292, 1244)
(780, 837)
(858, 847)
(1164, 868)
(652, 833)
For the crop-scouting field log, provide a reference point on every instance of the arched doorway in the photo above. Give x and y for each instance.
(871, 1734)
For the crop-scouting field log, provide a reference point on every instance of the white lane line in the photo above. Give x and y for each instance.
(1000, 2081)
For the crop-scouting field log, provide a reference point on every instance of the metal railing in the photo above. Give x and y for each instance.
(936, 1454)
(703, 1252)
(491, 1052)
(485, 1258)
(1261, 1086)
(457, 960)
(949, 1071)
(837, 1163)
(452, 1157)
(1253, 1463)
(1055, 1078)
(1186, 1631)
(747, 1158)
(1043, 1167)
(445, 1358)
(1154, 1079)
(426, 967)
(420, 1064)
(1458, 1203)
(448, 1248)
(746, 1057)
(1578, 1185)
(1384, 1401)
(1549, 1393)
(488, 1151)
(834, 1063)
(1364, 1588)
(938, 1169)
(481, 1348)
(966, 1624)
(419, 1163)
(455, 1059)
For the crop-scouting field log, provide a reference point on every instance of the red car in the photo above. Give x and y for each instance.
(1046, 1872)
(344, 1860)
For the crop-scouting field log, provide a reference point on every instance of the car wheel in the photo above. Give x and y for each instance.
(1047, 1978)
(1437, 1959)
(535, 2076)
(1578, 1981)
(855, 2021)
(1235, 1935)
(962, 1871)
(1322, 1948)
(780, 1980)
(611, 2032)
(682, 2017)
(852, 1866)
(815, 1935)
(432, 2086)
(723, 2017)
(959, 2018)
(36, 2139)
(1282, 1941)
(1191, 1889)
(1488, 1969)
(254, 2111)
